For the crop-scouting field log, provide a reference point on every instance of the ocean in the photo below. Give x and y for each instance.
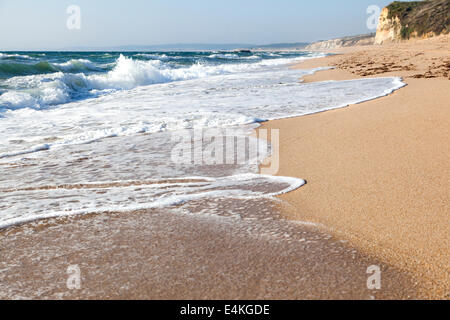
(91, 132)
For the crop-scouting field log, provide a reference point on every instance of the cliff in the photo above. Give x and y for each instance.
(417, 19)
(361, 40)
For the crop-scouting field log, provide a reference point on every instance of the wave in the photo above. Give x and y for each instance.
(110, 195)
(128, 74)
(232, 56)
(20, 69)
(146, 110)
(55, 84)
(14, 56)
(224, 56)
(78, 65)
(161, 57)
(138, 172)
(44, 67)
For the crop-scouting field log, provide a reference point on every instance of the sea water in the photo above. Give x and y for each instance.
(93, 132)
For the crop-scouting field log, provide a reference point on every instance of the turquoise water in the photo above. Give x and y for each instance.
(42, 79)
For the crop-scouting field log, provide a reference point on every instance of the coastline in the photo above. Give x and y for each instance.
(207, 249)
(377, 172)
(169, 254)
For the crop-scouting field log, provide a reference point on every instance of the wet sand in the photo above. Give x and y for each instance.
(377, 186)
(378, 172)
(162, 254)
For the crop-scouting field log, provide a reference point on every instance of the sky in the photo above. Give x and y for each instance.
(35, 25)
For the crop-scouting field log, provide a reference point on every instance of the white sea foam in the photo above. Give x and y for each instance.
(98, 198)
(233, 56)
(161, 57)
(58, 88)
(77, 65)
(45, 152)
(218, 101)
(43, 90)
(14, 55)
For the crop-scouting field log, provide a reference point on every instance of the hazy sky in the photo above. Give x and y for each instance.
(42, 24)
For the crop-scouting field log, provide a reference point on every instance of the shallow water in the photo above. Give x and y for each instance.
(112, 148)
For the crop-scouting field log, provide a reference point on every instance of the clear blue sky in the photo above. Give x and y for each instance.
(41, 24)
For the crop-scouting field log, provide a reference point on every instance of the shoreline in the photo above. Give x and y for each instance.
(365, 163)
(154, 254)
(168, 254)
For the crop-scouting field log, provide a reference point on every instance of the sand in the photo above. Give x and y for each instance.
(378, 186)
(378, 172)
(161, 254)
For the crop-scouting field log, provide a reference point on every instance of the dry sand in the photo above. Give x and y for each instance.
(377, 176)
(378, 172)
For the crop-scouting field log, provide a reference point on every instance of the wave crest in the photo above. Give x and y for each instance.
(45, 84)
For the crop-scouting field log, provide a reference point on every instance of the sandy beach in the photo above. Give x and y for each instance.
(378, 172)
(376, 195)
(224, 159)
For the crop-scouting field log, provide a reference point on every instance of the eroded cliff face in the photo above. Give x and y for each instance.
(388, 29)
(417, 19)
(361, 40)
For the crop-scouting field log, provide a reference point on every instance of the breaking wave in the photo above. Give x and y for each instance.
(45, 84)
